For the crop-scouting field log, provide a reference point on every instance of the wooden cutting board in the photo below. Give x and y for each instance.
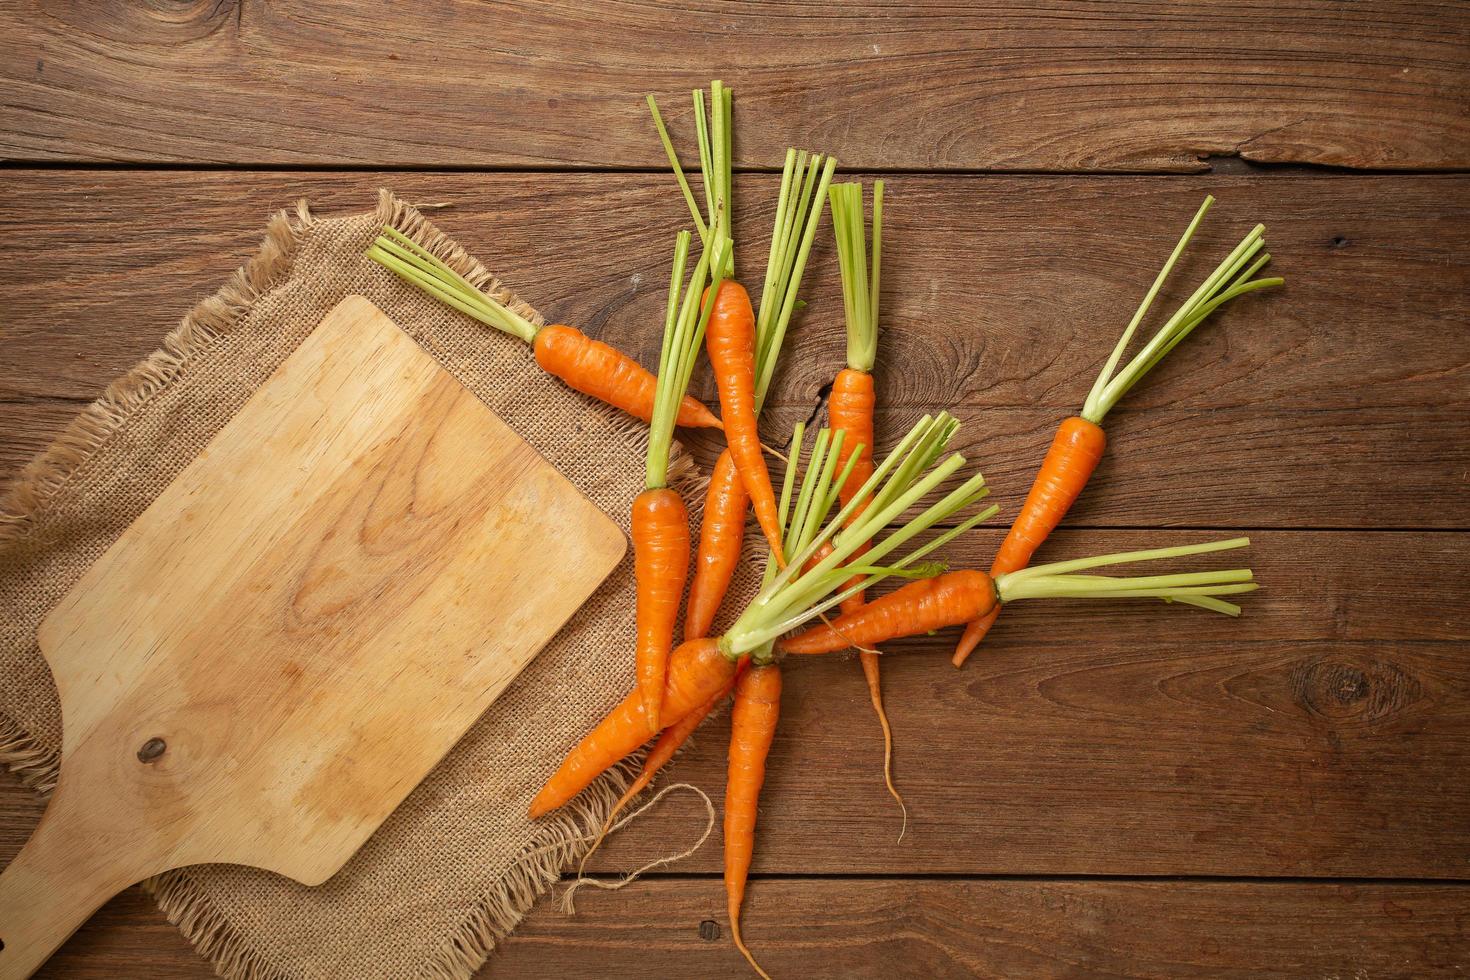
(298, 629)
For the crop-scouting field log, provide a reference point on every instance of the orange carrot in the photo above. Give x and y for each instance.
(730, 341)
(804, 180)
(588, 365)
(928, 604)
(1079, 442)
(697, 671)
(1074, 454)
(752, 728)
(720, 538)
(662, 753)
(660, 533)
(595, 369)
(850, 407)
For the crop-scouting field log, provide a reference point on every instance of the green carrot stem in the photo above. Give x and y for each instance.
(1126, 557)
(422, 269)
(859, 279)
(663, 135)
(1226, 282)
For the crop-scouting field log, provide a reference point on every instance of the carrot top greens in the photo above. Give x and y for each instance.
(684, 326)
(910, 472)
(859, 285)
(805, 178)
(419, 267)
(1224, 284)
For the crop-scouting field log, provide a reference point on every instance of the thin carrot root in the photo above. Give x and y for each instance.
(875, 693)
(740, 944)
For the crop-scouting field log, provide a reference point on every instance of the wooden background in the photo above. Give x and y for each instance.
(1122, 792)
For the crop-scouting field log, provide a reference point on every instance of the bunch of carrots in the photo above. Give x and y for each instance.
(844, 520)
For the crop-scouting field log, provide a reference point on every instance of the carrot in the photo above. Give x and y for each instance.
(595, 369)
(952, 598)
(752, 729)
(731, 345)
(928, 604)
(721, 534)
(660, 533)
(1079, 442)
(660, 523)
(588, 365)
(804, 181)
(850, 406)
(697, 671)
(1074, 454)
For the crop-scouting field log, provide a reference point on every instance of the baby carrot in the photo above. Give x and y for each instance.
(1079, 442)
(804, 181)
(660, 524)
(850, 406)
(752, 729)
(588, 365)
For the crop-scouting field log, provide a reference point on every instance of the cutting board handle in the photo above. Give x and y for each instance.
(55, 883)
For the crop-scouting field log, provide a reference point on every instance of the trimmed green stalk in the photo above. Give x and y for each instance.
(859, 280)
(1224, 284)
(683, 333)
(1061, 579)
(423, 270)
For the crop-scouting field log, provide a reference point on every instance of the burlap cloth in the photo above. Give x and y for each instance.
(458, 864)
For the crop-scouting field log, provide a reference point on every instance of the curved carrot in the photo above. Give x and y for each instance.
(721, 534)
(660, 533)
(928, 604)
(1079, 442)
(752, 729)
(697, 670)
(595, 369)
(1074, 454)
(730, 339)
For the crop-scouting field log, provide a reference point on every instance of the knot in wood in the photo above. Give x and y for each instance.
(709, 930)
(1367, 692)
(152, 749)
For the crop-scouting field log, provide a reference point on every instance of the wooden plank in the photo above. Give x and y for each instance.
(1345, 364)
(866, 928)
(1005, 291)
(1043, 85)
(881, 928)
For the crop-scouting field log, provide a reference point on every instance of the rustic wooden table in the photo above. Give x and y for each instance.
(1134, 791)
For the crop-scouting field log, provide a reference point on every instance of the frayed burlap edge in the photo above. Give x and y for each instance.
(540, 863)
(67, 457)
